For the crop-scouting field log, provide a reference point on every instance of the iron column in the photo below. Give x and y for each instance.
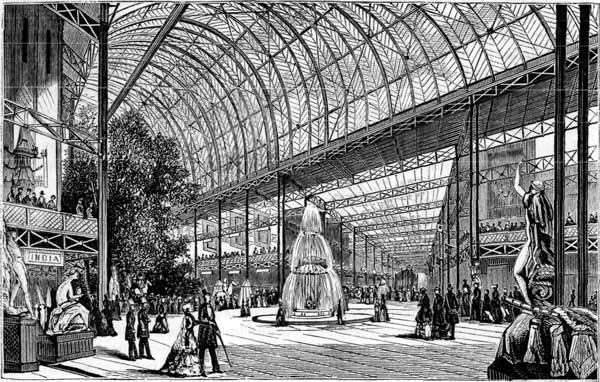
(559, 151)
(220, 238)
(247, 233)
(582, 153)
(103, 159)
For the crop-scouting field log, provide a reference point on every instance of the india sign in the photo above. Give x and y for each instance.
(52, 259)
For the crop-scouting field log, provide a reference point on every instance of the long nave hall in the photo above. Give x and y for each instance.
(299, 190)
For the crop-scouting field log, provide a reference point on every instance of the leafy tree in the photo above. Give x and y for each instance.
(147, 181)
(80, 180)
(80, 177)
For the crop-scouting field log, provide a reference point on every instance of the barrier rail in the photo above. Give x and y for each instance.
(40, 219)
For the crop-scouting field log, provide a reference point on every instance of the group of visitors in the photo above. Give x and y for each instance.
(233, 254)
(368, 294)
(438, 320)
(264, 298)
(29, 198)
(500, 227)
(85, 212)
(514, 226)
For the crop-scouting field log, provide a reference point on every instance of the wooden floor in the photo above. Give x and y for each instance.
(260, 351)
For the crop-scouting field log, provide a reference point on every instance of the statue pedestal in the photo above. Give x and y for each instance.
(20, 344)
(65, 347)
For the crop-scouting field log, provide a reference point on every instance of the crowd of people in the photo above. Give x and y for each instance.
(234, 254)
(30, 198)
(519, 226)
(368, 294)
(501, 227)
(437, 320)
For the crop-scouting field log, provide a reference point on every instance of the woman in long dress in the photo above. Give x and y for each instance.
(69, 315)
(183, 358)
(161, 325)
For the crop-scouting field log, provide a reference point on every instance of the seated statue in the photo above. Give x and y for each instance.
(69, 315)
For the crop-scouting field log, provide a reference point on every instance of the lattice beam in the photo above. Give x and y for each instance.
(394, 224)
(389, 193)
(393, 211)
(76, 17)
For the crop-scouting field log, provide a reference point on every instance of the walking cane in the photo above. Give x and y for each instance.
(220, 339)
(224, 349)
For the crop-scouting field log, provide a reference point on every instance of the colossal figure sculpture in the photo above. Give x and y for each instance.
(313, 287)
(543, 341)
(534, 267)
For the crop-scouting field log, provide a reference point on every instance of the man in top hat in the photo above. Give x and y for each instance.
(130, 331)
(207, 334)
(451, 306)
(143, 330)
(41, 201)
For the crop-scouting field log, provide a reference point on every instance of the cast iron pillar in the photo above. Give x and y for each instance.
(103, 159)
(559, 151)
(582, 153)
(220, 238)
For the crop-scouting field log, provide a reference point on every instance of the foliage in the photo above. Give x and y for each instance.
(147, 182)
(80, 180)
(80, 177)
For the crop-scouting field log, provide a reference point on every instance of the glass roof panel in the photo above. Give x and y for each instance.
(253, 83)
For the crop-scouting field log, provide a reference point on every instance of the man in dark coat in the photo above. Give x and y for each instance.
(517, 295)
(207, 335)
(438, 329)
(451, 307)
(476, 303)
(340, 313)
(280, 316)
(130, 332)
(486, 310)
(424, 312)
(465, 307)
(143, 331)
(495, 305)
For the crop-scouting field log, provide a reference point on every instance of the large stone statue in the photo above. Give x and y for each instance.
(534, 267)
(543, 341)
(69, 315)
(14, 268)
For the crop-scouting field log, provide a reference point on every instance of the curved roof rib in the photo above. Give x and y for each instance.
(265, 83)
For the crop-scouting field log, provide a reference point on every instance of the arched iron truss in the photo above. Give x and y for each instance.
(244, 86)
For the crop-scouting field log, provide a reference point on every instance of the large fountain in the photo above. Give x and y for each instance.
(312, 292)
(313, 288)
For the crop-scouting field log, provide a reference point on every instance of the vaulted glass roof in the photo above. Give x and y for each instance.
(246, 85)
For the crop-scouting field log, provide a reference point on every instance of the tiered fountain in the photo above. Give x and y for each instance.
(313, 290)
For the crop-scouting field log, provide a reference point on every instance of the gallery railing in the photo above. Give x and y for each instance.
(44, 230)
